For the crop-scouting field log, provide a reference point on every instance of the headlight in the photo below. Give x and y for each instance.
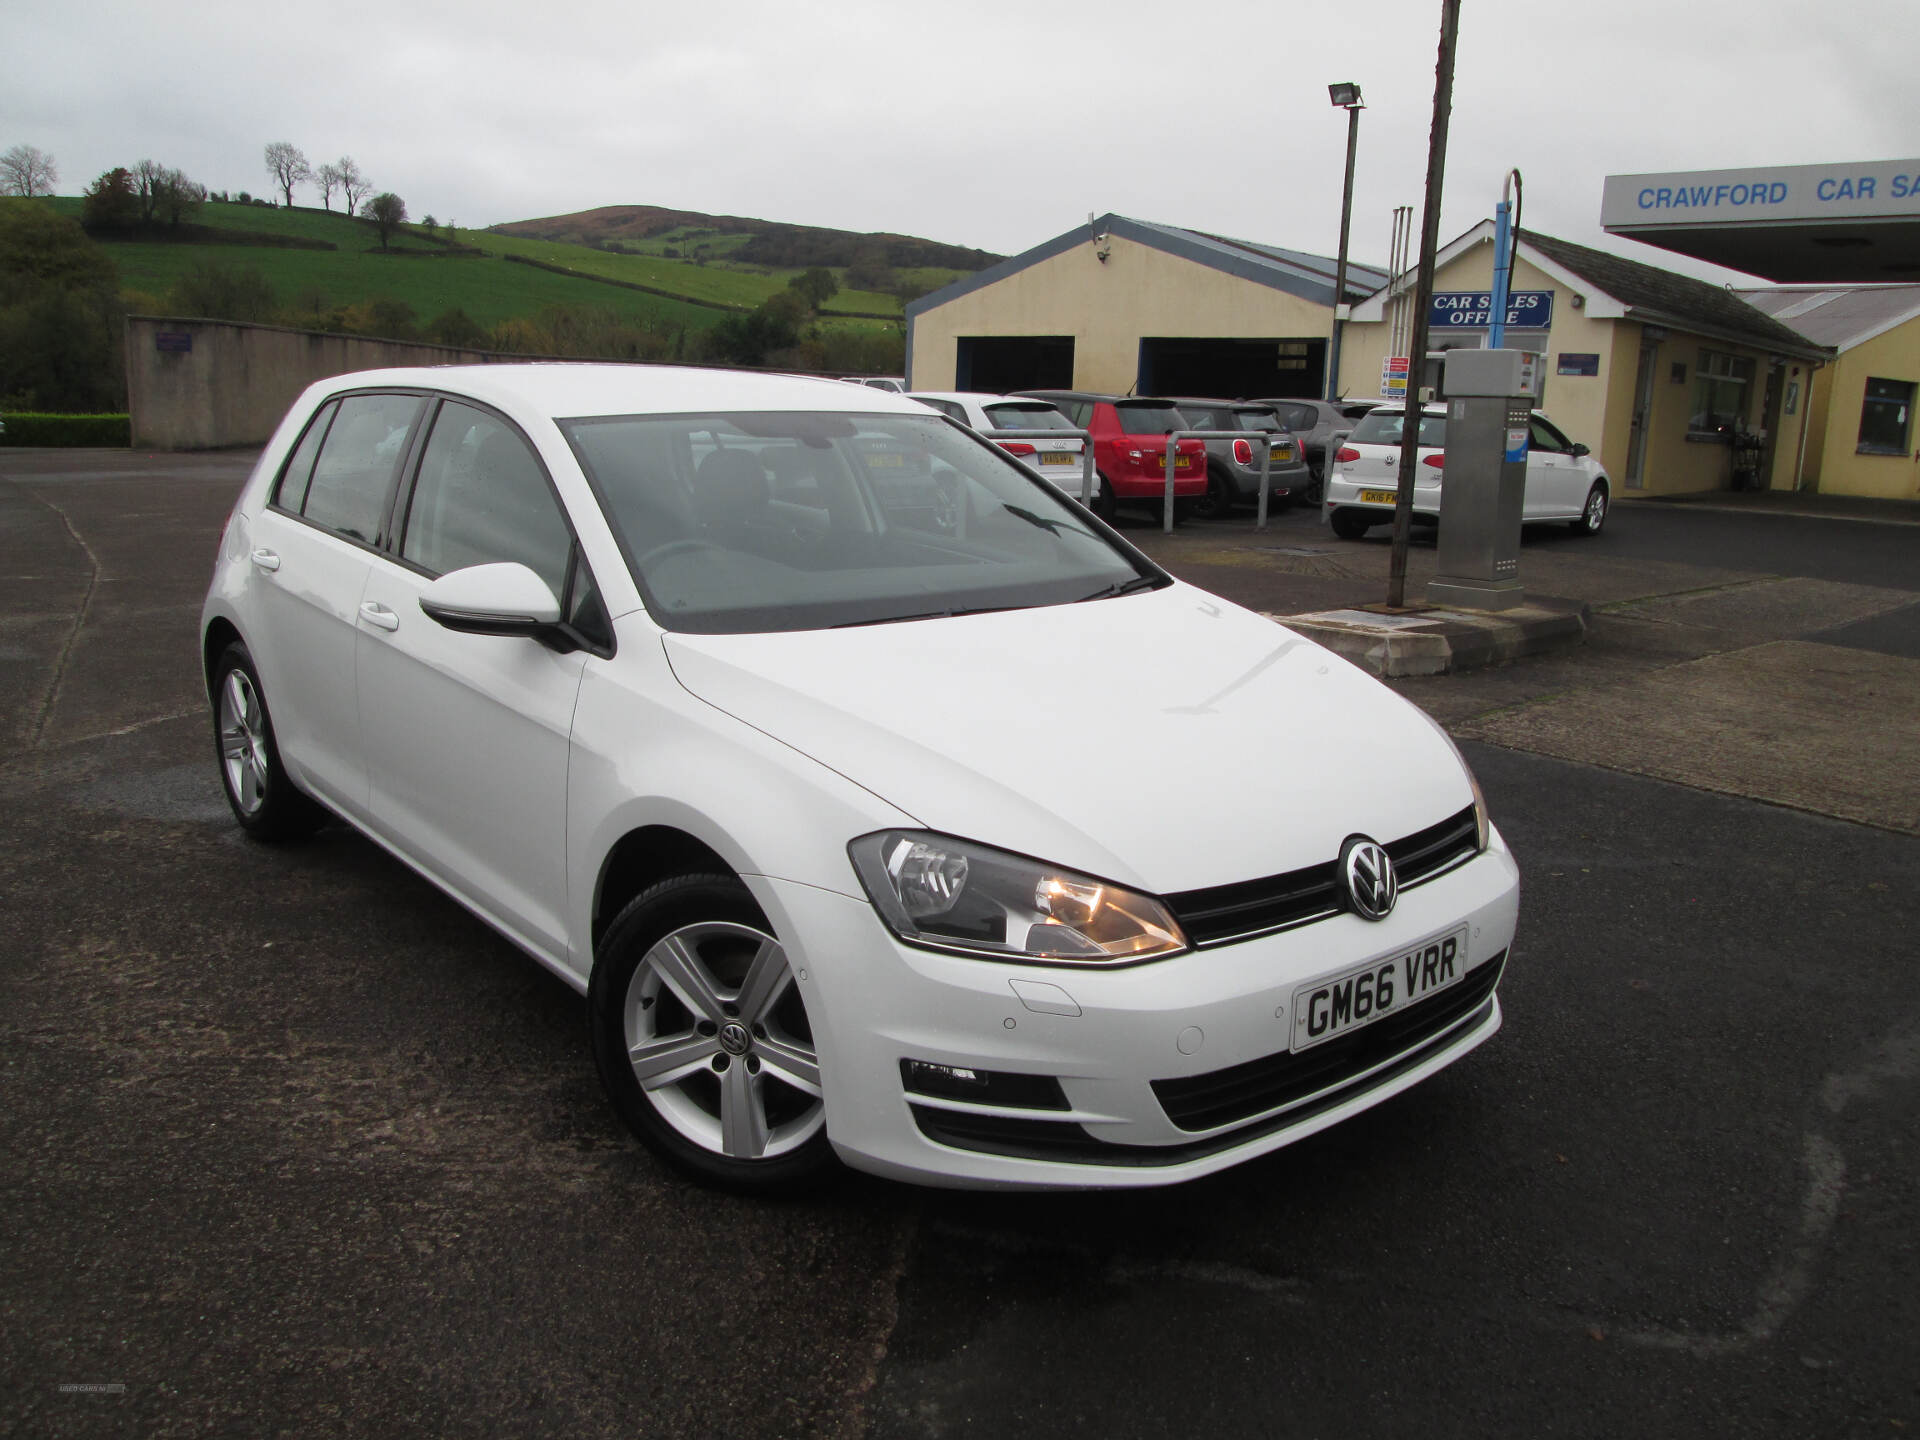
(950, 894)
(1480, 822)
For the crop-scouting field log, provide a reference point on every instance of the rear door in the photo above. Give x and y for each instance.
(467, 736)
(313, 547)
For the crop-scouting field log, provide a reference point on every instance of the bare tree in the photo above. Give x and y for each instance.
(288, 167)
(27, 170)
(388, 211)
(165, 193)
(352, 183)
(327, 177)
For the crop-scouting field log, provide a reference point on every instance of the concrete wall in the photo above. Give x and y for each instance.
(1837, 463)
(1107, 308)
(229, 384)
(1597, 410)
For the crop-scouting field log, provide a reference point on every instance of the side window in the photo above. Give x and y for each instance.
(482, 498)
(948, 409)
(358, 458)
(1545, 437)
(292, 494)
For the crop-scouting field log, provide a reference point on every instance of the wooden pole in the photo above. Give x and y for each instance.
(1422, 302)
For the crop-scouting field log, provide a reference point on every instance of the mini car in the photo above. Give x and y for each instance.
(1233, 466)
(1564, 482)
(737, 701)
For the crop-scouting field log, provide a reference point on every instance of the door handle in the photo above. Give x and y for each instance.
(266, 559)
(374, 613)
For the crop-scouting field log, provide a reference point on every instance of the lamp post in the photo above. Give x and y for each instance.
(1345, 96)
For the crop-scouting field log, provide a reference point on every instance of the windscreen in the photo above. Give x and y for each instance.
(1207, 417)
(1387, 427)
(737, 523)
(1257, 420)
(1030, 416)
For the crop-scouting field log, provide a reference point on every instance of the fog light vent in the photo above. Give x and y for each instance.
(982, 1087)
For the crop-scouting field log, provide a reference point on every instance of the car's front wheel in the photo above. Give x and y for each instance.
(263, 799)
(1594, 515)
(702, 1039)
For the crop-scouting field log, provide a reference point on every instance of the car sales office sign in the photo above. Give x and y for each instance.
(1473, 310)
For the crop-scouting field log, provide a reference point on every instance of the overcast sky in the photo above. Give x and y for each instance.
(991, 124)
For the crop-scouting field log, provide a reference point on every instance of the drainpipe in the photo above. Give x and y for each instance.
(1806, 424)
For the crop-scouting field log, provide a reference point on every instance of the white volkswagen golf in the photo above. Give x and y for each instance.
(881, 803)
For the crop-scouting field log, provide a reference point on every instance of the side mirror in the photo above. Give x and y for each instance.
(1579, 450)
(501, 599)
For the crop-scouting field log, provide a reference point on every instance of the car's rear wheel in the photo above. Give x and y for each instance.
(1217, 503)
(1593, 516)
(263, 799)
(1350, 524)
(1104, 505)
(702, 1038)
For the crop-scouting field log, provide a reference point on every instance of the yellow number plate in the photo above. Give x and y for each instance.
(1059, 457)
(1378, 497)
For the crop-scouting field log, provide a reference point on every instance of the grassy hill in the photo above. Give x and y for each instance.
(742, 240)
(426, 270)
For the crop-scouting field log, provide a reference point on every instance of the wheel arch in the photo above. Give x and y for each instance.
(219, 634)
(643, 857)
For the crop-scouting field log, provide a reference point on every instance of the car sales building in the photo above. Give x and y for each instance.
(1676, 384)
(1128, 307)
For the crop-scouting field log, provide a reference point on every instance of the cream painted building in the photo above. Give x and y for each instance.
(1862, 439)
(1653, 371)
(1129, 307)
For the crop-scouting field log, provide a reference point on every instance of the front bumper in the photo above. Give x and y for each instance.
(1204, 1036)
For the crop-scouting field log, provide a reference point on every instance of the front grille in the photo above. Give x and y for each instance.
(1221, 914)
(1221, 1097)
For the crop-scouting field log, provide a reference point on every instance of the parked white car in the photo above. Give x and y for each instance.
(1060, 461)
(678, 680)
(1564, 481)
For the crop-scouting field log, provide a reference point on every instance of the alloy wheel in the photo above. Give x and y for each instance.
(243, 742)
(719, 1041)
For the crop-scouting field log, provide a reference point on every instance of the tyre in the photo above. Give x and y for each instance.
(1593, 516)
(1217, 503)
(1350, 524)
(1104, 504)
(702, 1039)
(263, 799)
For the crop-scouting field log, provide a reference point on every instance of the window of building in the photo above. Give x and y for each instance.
(1886, 417)
(1721, 386)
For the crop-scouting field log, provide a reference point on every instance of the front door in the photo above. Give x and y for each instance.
(467, 737)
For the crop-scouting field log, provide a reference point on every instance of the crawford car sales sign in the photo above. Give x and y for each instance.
(1473, 310)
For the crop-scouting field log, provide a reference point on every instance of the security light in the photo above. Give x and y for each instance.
(1347, 95)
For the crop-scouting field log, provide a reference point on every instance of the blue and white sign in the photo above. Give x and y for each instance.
(1473, 310)
(1880, 189)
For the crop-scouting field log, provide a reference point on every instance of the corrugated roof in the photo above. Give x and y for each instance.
(1676, 299)
(1838, 315)
(1295, 271)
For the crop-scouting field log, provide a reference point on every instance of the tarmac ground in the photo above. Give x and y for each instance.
(292, 1144)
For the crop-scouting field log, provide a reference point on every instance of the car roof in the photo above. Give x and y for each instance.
(562, 389)
(978, 397)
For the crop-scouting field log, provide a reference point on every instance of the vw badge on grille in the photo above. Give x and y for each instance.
(1367, 872)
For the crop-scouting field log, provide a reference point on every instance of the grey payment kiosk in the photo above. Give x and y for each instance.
(1489, 409)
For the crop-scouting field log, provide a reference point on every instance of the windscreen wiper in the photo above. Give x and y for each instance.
(1125, 587)
(927, 615)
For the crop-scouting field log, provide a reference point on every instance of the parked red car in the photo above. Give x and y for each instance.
(1130, 447)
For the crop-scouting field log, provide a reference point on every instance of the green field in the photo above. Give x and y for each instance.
(488, 287)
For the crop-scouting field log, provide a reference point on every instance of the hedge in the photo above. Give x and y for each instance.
(25, 428)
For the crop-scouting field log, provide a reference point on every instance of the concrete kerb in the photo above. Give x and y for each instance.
(1435, 642)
